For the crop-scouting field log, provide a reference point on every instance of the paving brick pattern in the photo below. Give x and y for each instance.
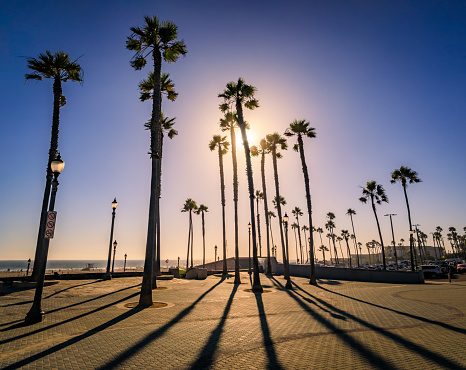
(214, 324)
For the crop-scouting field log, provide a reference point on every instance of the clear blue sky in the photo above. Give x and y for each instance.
(382, 82)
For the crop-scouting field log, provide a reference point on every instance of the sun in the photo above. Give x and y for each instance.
(251, 137)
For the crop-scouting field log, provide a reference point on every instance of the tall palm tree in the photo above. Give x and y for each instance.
(305, 228)
(406, 175)
(146, 89)
(190, 206)
(296, 211)
(221, 144)
(295, 226)
(376, 193)
(339, 239)
(201, 210)
(238, 94)
(157, 40)
(270, 215)
(330, 225)
(301, 128)
(255, 151)
(330, 237)
(229, 123)
(60, 68)
(259, 196)
(323, 248)
(276, 142)
(351, 212)
(345, 235)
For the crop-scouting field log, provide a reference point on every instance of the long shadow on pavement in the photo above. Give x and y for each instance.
(376, 361)
(420, 318)
(435, 357)
(206, 357)
(268, 343)
(72, 287)
(130, 352)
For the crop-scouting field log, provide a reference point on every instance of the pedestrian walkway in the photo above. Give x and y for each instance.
(215, 324)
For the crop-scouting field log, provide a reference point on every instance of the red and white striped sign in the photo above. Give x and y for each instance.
(50, 225)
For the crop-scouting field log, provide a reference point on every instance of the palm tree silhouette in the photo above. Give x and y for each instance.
(157, 40)
(296, 211)
(271, 214)
(406, 175)
(190, 206)
(351, 212)
(221, 144)
(345, 235)
(276, 142)
(60, 68)
(301, 128)
(295, 226)
(330, 225)
(255, 151)
(323, 248)
(201, 210)
(238, 94)
(259, 196)
(376, 193)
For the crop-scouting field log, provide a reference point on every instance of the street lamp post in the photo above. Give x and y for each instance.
(411, 246)
(249, 259)
(285, 258)
(108, 275)
(393, 238)
(36, 314)
(178, 262)
(29, 263)
(215, 259)
(114, 251)
(124, 267)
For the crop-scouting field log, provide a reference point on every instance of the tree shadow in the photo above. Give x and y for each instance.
(24, 285)
(328, 282)
(72, 287)
(206, 357)
(420, 318)
(376, 361)
(435, 357)
(130, 352)
(273, 362)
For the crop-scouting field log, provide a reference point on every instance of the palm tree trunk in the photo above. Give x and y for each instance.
(203, 241)
(256, 286)
(299, 238)
(192, 239)
(222, 194)
(335, 248)
(380, 235)
(355, 241)
(235, 200)
(309, 209)
(266, 212)
(349, 252)
(259, 228)
(296, 244)
(189, 241)
(411, 244)
(271, 233)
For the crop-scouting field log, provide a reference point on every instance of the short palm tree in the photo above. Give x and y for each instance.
(300, 129)
(262, 151)
(330, 226)
(376, 194)
(157, 41)
(221, 144)
(323, 248)
(60, 68)
(406, 175)
(296, 211)
(351, 212)
(345, 235)
(201, 210)
(235, 96)
(229, 123)
(295, 226)
(275, 143)
(190, 206)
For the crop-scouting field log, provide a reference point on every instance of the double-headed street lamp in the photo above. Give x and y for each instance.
(287, 262)
(114, 251)
(36, 314)
(108, 275)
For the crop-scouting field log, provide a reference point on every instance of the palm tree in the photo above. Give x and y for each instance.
(259, 196)
(330, 225)
(146, 89)
(369, 247)
(190, 206)
(239, 94)
(270, 215)
(351, 212)
(301, 128)
(156, 39)
(275, 143)
(295, 226)
(255, 151)
(330, 237)
(201, 210)
(345, 235)
(296, 211)
(339, 239)
(406, 175)
(305, 228)
(323, 248)
(221, 144)
(376, 193)
(229, 123)
(60, 68)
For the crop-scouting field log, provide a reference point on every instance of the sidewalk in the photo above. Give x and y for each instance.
(215, 324)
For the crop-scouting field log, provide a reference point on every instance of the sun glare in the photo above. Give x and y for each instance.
(251, 137)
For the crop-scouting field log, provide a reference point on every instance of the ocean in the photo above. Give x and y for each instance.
(18, 265)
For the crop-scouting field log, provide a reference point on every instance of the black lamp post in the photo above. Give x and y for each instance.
(36, 314)
(215, 248)
(178, 262)
(108, 275)
(285, 258)
(124, 267)
(29, 263)
(249, 260)
(114, 251)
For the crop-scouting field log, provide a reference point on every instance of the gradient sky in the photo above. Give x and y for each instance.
(383, 83)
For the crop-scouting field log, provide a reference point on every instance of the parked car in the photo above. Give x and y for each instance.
(461, 268)
(431, 271)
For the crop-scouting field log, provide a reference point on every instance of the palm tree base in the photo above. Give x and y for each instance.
(257, 288)
(288, 284)
(237, 281)
(313, 282)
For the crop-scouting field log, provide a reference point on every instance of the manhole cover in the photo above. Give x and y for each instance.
(154, 305)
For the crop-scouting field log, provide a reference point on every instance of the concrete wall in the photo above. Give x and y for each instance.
(334, 273)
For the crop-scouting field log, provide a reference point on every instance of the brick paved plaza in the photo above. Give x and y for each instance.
(215, 324)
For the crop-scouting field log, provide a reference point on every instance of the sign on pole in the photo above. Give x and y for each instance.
(50, 226)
